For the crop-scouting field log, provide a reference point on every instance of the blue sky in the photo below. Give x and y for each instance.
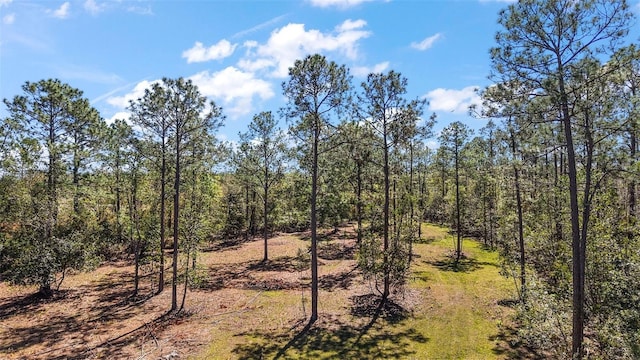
(238, 52)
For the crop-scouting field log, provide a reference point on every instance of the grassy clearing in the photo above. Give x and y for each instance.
(246, 309)
(461, 313)
(446, 312)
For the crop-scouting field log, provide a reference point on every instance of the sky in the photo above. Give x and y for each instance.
(238, 52)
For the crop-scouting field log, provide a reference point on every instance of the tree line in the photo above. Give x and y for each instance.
(550, 181)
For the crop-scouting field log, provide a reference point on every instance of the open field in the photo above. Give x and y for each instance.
(249, 310)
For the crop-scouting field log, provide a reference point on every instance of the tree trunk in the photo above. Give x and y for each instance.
(359, 200)
(163, 175)
(136, 223)
(314, 235)
(265, 230)
(52, 185)
(633, 147)
(176, 216)
(385, 231)
(411, 210)
(458, 226)
(76, 183)
(247, 218)
(516, 174)
(186, 282)
(118, 201)
(577, 349)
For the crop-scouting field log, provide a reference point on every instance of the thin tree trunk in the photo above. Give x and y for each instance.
(136, 248)
(359, 200)
(411, 210)
(577, 349)
(76, 183)
(458, 226)
(176, 216)
(385, 231)
(186, 281)
(516, 174)
(265, 230)
(246, 210)
(314, 235)
(633, 147)
(163, 175)
(118, 201)
(485, 233)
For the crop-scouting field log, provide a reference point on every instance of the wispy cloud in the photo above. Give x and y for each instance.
(5, 2)
(426, 43)
(198, 53)
(140, 10)
(337, 3)
(260, 26)
(93, 7)
(9, 19)
(62, 12)
(110, 94)
(89, 75)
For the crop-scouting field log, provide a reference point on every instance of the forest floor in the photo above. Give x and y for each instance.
(246, 309)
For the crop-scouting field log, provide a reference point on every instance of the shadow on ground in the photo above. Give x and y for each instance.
(227, 244)
(426, 239)
(381, 337)
(336, 251)
(246, 275)
(66, 334)
(341, 280)
(465, 264)
(509, 346)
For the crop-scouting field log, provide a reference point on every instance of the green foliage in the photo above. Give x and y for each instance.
(36, 259)
(545, 321)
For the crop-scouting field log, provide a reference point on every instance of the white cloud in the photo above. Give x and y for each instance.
(9, 19)
(140, 10)
(198, 53)
(232, 88)
(255, 65)
(351, 25)
(93, 7)
(426, 43)
(363, 71)
(292, 42)
(337, 3)
(452, 100)
(235, 88)
(120, 115)
(62, 12)
(432, 144)
(250, 44)
(5, 2)
(122, 102)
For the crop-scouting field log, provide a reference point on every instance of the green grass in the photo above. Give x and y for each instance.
(461, 311)
(450, 312)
